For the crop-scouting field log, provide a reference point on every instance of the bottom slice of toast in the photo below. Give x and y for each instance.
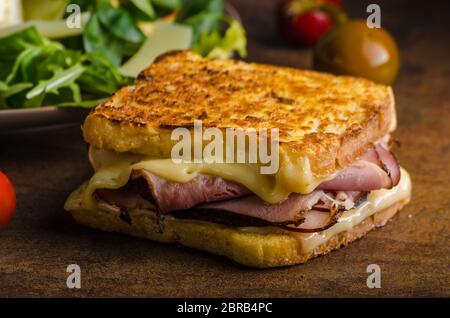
(255, 249)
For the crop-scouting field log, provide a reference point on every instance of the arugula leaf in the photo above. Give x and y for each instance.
(60, 79)
(203, 16)
(100, 77)
(16, 88)
(140, 9)
(120, 23)
(7, 91)
(191, 8)
(203, 23)
(96, 39)
(112, 32)
(32, 64)
(13, 45)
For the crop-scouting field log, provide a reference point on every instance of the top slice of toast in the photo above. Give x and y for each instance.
(331, 120)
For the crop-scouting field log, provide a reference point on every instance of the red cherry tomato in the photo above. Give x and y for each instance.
(7, 200)
(310, 26)
(304, 22)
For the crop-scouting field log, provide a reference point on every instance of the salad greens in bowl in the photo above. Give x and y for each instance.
(44, 62)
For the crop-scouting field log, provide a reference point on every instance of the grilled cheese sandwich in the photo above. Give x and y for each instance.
(336, 170)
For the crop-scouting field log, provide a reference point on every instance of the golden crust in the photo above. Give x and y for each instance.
(328, 119)
(261, 250)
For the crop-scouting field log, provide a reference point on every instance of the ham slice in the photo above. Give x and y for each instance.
(286, 211)
(389, 164)
(173, 196)
(126, 198)
(361, 175)
(377, 169)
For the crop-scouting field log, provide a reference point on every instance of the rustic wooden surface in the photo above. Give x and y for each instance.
(412, 250)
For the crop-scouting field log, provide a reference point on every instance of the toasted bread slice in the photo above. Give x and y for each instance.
(330, 120)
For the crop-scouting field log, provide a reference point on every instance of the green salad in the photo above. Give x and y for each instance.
(45, 62)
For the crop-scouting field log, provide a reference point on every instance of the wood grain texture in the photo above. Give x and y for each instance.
(412, 250)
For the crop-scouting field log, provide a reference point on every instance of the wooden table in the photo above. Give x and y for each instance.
(412, 250)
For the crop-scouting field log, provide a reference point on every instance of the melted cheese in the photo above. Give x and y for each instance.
(113, 170)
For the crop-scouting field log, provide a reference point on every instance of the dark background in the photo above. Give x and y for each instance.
(412, 250)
